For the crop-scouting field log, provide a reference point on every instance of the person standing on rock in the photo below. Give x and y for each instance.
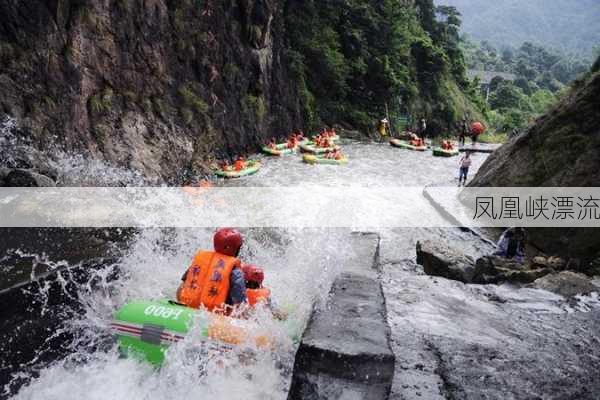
(383, 127)
(465, 164)
(463, 131)
(422, 128)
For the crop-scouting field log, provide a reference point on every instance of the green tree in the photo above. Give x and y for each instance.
(509, 96)
(541, 100)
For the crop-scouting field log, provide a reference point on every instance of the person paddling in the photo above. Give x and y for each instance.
(239, 164)
(215, 279)
(292, 142)
(256, 293)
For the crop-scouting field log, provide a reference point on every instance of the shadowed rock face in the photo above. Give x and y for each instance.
(41, 296)
(151, 85)
(440, 260)
(566, 283)
(562, 148)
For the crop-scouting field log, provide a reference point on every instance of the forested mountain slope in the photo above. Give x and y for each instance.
(569, 25)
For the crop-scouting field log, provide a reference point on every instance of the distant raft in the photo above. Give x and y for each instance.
(309, 147)
(315, 159)
(252, 167)
(403, 144)
(439, 152)
(279, 150)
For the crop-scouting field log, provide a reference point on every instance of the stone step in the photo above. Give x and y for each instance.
(345, 351)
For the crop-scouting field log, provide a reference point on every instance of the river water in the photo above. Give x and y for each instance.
(300, 265)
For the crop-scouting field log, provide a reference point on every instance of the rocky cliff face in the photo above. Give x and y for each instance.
(562, 148)
(152, 85)
(160, 86)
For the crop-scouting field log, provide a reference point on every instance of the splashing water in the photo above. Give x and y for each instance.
(299, 268)
(68, 168)
(152, 269)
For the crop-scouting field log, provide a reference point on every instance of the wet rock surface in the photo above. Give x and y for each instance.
(26, 178)
(567, 284)
(457, 341)
(345, 350)
(439, 259)
(495, 269)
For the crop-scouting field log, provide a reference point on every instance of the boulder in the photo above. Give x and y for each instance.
(345, 352)
(27, 178)
(495, 269)
(438, 259)
(539, 261)
(566, 283)
(556, 263)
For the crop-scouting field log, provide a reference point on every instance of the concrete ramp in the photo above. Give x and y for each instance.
(345, 351)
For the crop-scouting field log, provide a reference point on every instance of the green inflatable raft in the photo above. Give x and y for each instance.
(406, 145)
(279, 150)
(251, 168)
(146, 329)
(314, 159)
(311, 148)
(439, 152)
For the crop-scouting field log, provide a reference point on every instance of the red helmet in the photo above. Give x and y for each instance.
(228, 241)
(253, 273)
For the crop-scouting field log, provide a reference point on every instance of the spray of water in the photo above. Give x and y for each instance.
(299, 267)
(151, 269)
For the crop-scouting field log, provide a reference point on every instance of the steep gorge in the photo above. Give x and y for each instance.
(161, 86)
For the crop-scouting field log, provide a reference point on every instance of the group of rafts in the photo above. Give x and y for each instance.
(321, 149)
(446, 148)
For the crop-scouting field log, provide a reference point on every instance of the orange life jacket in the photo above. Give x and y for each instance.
(256, 296)
(207, 280)
(239, 165)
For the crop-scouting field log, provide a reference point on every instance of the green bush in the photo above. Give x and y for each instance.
(256, 105)
(187, 115)
(231, 72)
(192, 100)
(101, 102)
